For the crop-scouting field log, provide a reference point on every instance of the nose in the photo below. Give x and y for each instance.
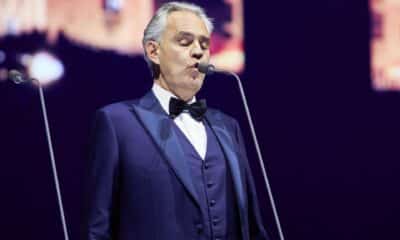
(197, 51)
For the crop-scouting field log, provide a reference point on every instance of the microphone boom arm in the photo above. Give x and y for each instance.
(211, 68)
(53, 162)
(19, 78)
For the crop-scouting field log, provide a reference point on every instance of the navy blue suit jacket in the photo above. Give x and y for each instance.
(139, 185)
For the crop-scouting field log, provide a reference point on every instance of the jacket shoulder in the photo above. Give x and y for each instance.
(117, 113)
(117, 107)
(224, 117)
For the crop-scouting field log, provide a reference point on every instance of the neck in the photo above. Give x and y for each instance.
(183, 95)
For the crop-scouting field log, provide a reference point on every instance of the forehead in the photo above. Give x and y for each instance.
(186, 21)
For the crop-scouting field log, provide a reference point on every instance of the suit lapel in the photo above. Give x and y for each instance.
(159, 126)
(227, 143)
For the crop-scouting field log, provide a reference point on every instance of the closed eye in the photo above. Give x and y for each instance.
(204, 42)
(185, 39)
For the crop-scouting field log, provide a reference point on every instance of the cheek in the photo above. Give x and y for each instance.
(207, 56)
(180, 56)
(177, 63)
(207, 53)
(179, 53)
(171, 60)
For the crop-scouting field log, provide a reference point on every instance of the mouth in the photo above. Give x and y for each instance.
(194, 73)
(193, 70)
(194, 65)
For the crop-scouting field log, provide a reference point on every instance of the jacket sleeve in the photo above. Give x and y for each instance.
(256, 226)
(100, 180)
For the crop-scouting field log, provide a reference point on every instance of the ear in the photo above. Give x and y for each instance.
(152, 51)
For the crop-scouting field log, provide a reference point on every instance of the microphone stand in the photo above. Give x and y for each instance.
(21, 79)
(253, 133)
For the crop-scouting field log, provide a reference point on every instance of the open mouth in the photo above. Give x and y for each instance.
(193, 66)
(194, 73)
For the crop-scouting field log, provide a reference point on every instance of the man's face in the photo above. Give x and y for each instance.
(184, 42)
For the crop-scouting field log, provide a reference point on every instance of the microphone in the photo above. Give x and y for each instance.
(210, 69)
(17, 77)
(206, 68)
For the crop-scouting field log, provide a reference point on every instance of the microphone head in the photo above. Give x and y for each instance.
(205, 68)
(17, 77)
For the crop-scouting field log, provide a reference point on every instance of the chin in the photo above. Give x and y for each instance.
(197, 83)
(193, 87)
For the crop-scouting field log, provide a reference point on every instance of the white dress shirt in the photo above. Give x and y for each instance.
(194, 130)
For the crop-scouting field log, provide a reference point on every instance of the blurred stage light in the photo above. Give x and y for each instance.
(3, 74)
(113, 5)
(44, 67)
(2, 56)
(393, 72)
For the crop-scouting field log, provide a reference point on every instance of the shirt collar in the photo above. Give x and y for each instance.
(164, 95)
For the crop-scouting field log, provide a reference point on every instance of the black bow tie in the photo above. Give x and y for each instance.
(196, 109)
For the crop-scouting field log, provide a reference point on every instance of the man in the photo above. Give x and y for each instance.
(163, 166)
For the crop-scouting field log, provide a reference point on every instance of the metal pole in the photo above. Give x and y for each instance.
(53, 162)
(260, 158)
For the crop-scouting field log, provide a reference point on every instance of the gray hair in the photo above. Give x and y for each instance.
(157, 24)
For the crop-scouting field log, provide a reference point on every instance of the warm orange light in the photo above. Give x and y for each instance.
(385, 44)
(85, 22)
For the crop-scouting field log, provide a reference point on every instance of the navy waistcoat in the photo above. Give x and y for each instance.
(213, 182)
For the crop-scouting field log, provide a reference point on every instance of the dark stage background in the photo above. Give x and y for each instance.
(330, 143)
